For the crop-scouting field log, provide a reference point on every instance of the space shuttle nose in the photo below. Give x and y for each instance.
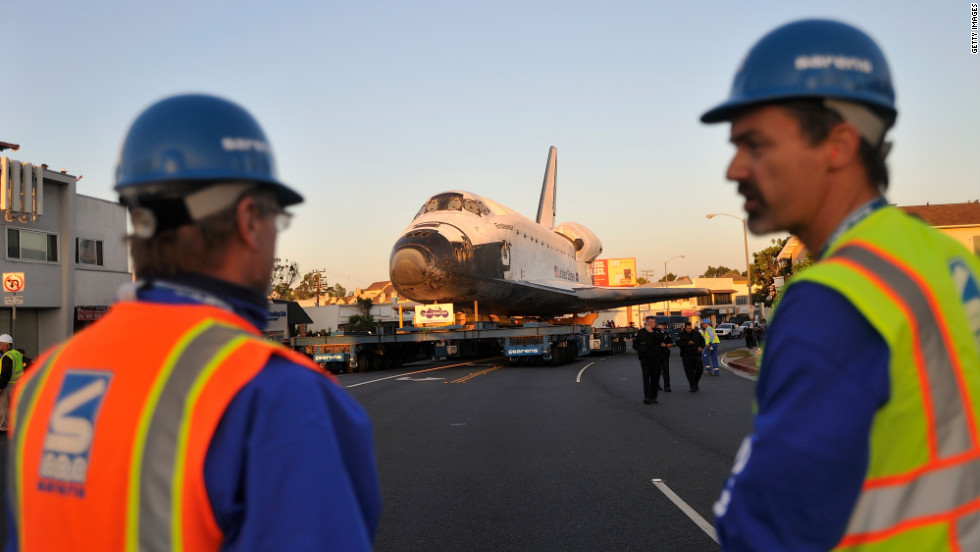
(408, 267)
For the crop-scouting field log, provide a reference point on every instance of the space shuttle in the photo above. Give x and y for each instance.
(461, 248)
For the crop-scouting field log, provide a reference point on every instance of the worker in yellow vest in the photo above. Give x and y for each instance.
(11, 369)
(868, 398)
(709, 356)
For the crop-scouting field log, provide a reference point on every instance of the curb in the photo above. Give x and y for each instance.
(742, 364)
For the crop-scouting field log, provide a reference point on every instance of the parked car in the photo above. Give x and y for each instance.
(727, 330)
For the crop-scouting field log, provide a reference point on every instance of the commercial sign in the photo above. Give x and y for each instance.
(88, 314)
(523, 350)
(614, 272)
(277, 318)
(436, 313)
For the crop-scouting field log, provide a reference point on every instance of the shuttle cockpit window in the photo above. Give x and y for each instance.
(453, 202)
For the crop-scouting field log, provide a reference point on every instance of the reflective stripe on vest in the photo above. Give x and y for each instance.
(28, 394)
(156, 474)
(945, 489)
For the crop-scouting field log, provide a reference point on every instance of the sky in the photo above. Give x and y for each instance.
(373, 106)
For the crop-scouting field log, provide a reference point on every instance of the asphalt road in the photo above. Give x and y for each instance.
(491, 457)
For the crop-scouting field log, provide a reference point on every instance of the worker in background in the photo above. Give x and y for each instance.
(709, 356)
(11, 369)
(868, 398)
(200, 435)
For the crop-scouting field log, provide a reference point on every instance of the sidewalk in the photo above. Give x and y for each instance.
(741, 359)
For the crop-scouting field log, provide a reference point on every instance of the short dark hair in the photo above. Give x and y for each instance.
(817, 120)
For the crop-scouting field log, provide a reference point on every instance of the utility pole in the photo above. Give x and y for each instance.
(646, 274)
(320, 283)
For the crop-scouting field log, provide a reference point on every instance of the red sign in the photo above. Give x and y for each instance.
(614, 272)
(600, 274)
(13, 282)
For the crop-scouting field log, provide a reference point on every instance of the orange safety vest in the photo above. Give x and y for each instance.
(110, 433)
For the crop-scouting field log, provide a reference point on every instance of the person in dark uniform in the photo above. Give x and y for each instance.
(647, 348)
(666, 342)
(691, 344)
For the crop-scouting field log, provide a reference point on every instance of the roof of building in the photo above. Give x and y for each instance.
(379, 286)
(949, 214)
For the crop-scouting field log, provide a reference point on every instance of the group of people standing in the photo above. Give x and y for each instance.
(653, 344)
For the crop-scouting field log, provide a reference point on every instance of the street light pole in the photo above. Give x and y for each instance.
(667, 303)
(745, 238)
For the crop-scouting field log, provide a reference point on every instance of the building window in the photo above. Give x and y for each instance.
(704, 301)
(741, 299)
(723, 298)
(30, 245)
(88, 252)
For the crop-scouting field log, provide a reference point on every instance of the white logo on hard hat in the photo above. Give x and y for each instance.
(843, 63)
(243, 144)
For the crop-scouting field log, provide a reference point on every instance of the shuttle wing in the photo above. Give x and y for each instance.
(560, 297)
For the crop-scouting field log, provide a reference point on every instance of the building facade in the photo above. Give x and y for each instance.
(64, 257)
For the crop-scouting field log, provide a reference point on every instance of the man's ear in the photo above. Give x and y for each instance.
(842, 145)
(247, 221)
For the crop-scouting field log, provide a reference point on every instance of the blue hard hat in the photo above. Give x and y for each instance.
(193, 140)
(812, 58)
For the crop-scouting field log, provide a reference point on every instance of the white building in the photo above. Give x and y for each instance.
(68, 251)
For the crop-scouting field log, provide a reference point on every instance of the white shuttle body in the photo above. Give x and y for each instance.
(462, 248)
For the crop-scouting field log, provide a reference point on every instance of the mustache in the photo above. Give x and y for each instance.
(746, 187)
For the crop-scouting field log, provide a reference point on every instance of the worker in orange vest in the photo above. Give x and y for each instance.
(199, 435)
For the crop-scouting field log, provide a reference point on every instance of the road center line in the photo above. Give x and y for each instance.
(679, 502)
(464, 379)
(578, 379)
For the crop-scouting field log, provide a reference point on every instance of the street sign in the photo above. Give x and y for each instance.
(13, 299)
(13, 282)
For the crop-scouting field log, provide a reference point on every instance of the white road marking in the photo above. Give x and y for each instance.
(578, 379)
(408, 374)
(679, 502)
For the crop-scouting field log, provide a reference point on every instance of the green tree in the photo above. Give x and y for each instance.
(670, 277)
(641, 281)
(720, 271)
(361, 322)
(765, 268)
(337, 291)
(284, 275)
(306, 287)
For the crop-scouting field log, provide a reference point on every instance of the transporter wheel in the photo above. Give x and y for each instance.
(362, 363)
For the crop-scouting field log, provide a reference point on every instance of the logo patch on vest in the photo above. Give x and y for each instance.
(969, 291)
(65, 460)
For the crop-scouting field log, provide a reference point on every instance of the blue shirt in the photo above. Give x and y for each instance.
(291, 465)
(796, 479)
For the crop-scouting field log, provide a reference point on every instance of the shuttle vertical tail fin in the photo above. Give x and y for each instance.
(546, 206)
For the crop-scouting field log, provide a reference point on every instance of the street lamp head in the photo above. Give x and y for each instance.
(709, 217)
